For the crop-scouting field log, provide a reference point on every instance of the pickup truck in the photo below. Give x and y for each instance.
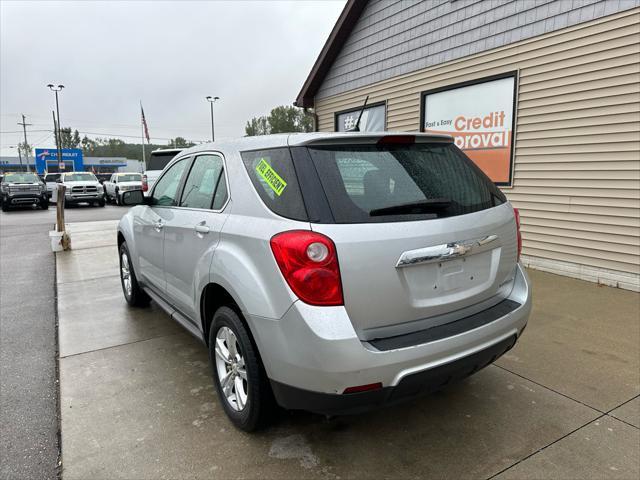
(81, 187)
(121, 182)
(18, 189)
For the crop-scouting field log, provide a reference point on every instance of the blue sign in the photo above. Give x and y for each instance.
(48, 157)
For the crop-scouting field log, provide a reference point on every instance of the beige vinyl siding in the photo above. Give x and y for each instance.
(577, 149)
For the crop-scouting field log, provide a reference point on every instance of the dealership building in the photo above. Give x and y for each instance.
(46, 160)
(543, 95)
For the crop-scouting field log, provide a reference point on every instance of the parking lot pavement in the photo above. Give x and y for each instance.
(137, 400)
(588, 336)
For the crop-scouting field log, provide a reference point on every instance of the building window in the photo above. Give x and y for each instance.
(373, 118)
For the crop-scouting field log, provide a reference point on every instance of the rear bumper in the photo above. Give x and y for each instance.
(312, 352)
(411, 386)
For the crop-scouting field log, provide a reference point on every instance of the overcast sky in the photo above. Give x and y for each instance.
(110, 56)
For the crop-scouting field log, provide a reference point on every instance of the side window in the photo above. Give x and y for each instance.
(202, 181)
(166, 189)
(274, 178)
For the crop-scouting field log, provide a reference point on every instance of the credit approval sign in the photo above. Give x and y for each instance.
(480, 117)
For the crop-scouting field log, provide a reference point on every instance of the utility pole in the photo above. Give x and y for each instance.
(25, 145)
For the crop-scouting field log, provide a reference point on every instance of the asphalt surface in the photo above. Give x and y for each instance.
(29, 427)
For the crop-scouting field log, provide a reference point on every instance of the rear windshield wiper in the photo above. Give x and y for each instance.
(422, 206)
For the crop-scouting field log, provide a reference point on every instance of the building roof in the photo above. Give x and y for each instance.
(341, 30)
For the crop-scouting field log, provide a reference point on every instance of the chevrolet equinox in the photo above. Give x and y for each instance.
(329, 272)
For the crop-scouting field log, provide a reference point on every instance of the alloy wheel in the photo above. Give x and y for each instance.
(124, 272)
(230, 366)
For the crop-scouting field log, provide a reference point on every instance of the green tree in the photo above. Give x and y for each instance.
(69, 139)
(88, 145)
(282, 119)
(25, 149)
(180, 142)
(257, 126)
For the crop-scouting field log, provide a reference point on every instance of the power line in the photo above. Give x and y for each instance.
(20, 131)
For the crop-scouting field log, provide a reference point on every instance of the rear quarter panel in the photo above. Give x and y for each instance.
(243, 262)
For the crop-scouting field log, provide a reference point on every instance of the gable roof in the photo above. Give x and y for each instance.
(341, 30)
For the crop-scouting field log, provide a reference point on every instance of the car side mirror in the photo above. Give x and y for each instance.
(133, 197)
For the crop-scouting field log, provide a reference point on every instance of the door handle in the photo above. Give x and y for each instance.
(201, 228)
(158, 226)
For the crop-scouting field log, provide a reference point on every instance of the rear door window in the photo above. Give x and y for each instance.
(373, 183)
(274, 178)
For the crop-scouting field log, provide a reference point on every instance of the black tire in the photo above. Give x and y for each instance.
(136, 297)
(101, 202)
(5, 206)
(44, 205)
(260, 404)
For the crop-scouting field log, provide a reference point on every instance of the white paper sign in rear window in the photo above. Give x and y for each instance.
(372, 120)
(480, 119)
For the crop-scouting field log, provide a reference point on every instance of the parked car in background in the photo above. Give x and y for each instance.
(50, 179)
(331, 272)
(158, 159)
(81, 187)
(121, 182)
(19, 189)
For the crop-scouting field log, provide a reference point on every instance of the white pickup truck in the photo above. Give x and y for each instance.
(81, 187)
(121, 182)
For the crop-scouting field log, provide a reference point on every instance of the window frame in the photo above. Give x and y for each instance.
(213, 196)
(515, 74)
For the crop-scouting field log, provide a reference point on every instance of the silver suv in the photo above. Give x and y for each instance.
(329, 272)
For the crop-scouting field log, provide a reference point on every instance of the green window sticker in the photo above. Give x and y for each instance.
(270, 176)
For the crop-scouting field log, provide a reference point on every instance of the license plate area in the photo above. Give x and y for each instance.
(450, 280)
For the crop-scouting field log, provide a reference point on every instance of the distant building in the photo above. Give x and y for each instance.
(544, 96)
(46, 160)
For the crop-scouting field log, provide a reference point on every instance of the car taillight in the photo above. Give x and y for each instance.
(309, 263)
(145, 184)
(517, 214)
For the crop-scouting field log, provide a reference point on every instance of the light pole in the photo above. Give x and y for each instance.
(211, 101)
(59, 135)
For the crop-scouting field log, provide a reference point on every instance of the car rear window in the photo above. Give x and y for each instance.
(372, 183)
(274, 178)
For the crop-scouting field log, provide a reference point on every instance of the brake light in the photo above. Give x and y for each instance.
(145, 184)
(309, 263)
(397, 140)
(517, 215)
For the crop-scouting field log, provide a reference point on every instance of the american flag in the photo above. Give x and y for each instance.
(144, 124)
